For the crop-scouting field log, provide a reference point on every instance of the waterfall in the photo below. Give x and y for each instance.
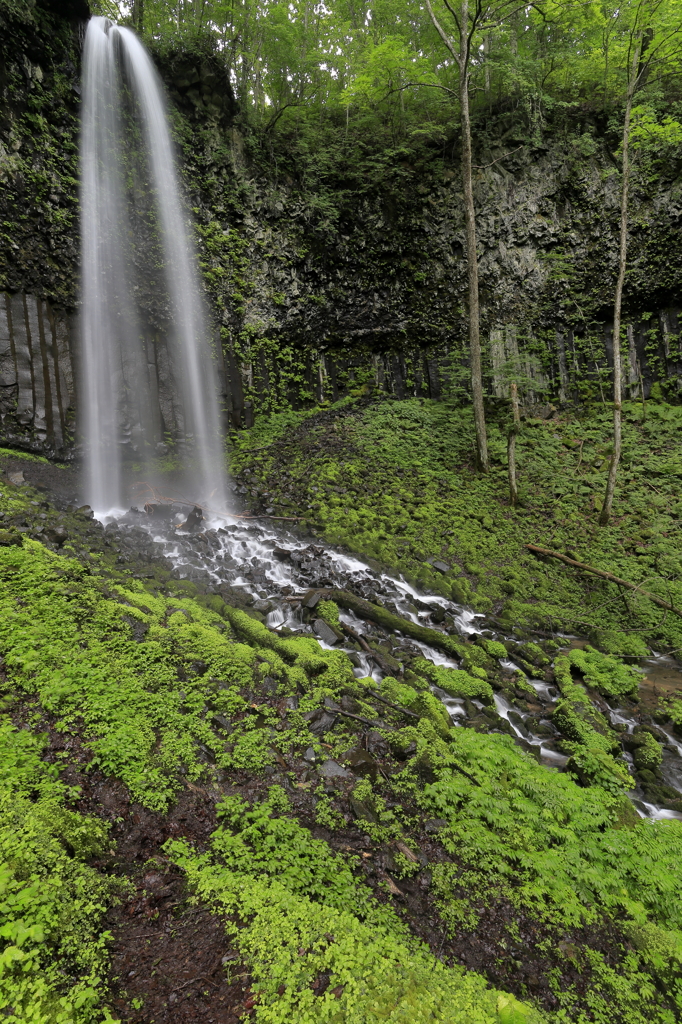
(124, 116)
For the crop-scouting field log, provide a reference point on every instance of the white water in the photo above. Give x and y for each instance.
(115, 378)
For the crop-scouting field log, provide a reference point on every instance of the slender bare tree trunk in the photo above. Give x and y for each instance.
(472, 255)
(461, 58)
(511, 443)
(622, 263)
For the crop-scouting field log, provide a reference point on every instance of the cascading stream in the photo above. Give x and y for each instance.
(274, 569)
(115, 373)
(237, 558)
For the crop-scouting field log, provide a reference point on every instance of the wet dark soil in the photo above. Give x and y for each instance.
(171, 960)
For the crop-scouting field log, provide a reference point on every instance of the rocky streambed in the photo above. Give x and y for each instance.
(351, 754)
(281, 578)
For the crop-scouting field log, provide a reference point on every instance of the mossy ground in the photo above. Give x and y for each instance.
(395, 481)
(352, 900)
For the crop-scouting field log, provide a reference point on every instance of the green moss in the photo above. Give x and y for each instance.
(455, 682)
(605, 674)
(329, 611)
(492, 647)
(648, 755)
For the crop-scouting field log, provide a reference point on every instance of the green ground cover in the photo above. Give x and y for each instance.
(394, 481)
(165, 686)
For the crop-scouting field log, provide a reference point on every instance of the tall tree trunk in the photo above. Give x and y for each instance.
(460, 55)
(138, 15)
(511, 443)
(622, 263)
(472, 255)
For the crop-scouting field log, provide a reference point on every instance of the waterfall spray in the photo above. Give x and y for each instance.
(116, 387)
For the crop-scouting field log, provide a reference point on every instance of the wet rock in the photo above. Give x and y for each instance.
(325, 632)
(57, 534)
(333, 770)
(439, 565)
(361, 763)
(363, 810)
(222, 723)
(377, 744)
(160, 512)
(539, 729)
(9, 538)
(194, 520)
(281, 554)
(269, 685)
(310, 756)
(262, 606)
(434, 825)
(320, 721)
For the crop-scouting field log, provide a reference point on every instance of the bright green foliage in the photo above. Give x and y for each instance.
(143, 704)
(412, 494)
(545, 843)
(493, 647)
(329, 611)
(420, 701)
(53, 955)
(605, 674)
(456, 682)
(305, 914)
(649, 754)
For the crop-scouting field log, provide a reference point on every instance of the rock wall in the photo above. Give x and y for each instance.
(37, 391)
(338, 266)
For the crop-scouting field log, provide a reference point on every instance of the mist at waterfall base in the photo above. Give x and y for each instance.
(130, 197)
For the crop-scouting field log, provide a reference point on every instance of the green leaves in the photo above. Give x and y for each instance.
(305, 916)
(52, 948)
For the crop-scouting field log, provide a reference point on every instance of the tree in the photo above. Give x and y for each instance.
(652, 48)
(473, 23)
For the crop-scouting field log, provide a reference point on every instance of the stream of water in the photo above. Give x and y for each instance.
(248, 563)
(273, 571)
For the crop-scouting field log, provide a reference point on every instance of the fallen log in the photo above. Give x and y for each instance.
(382, 617)
(381, 661)
(605, 576)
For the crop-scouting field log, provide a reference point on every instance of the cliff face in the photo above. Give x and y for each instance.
(330, 263)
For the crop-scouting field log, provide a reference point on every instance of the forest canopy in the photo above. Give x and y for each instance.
(388, 59)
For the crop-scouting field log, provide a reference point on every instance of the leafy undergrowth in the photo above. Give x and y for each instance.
(53, 948)
(394, 480)
(349, 895)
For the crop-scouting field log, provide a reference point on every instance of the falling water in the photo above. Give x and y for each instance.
(116, 389)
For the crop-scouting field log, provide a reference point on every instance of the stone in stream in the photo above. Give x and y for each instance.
(194, 520)
(281, 554)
